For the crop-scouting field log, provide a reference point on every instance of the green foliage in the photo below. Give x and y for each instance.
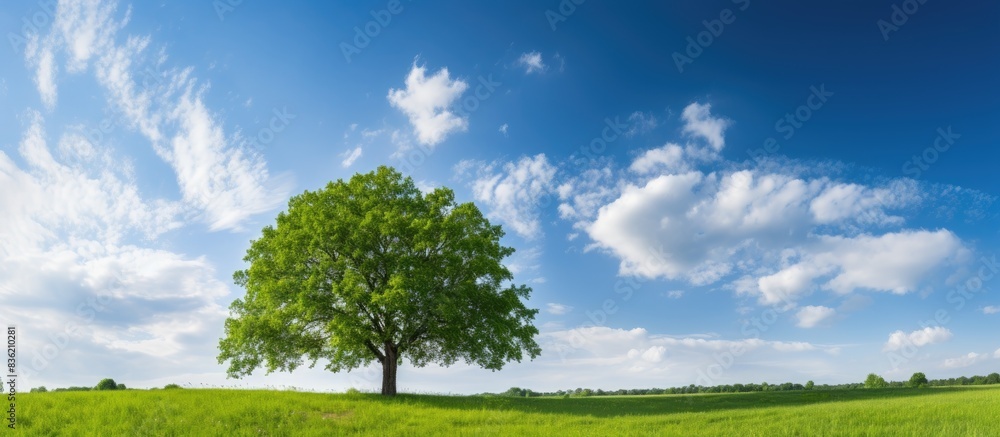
(932, 412)
(875, 381)
(171, 387)
(106, 384)
(918, 380)
(993, 378)
(372, 269)
(809, 385)
(41, 389)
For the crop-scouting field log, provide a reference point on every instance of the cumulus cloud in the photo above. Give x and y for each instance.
(778, 231)
(532, 62)
(929, 335)
(991, 309)
(700, 123)
(512, 192)
(963, 361)
(425, 101)
(811, 316)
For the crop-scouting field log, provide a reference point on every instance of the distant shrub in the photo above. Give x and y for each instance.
(875, 381)
(109, 384)
(41, 389)
(352, 391)
(918, 380)
(171, 386)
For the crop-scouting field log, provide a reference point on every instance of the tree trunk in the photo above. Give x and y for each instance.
(389, 370)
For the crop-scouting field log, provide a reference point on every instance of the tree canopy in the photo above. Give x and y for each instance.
(372, 269)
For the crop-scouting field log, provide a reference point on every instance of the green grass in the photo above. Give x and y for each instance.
(952, 411)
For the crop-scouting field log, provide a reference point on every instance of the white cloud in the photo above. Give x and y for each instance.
(811, 316)
(425, 102)
(991, 309)
(963, 361)
(503, 129)
(350, 156)
(675, 294)
(69, 277)
(532, 62)
(899, 339)
(514, 192)
(699, 122)
(557, 309)
(996, 354)
(665, 219)
(668, 158)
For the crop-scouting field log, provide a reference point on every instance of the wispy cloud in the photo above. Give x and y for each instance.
(557, 309)
(215, 176)
(350, 156)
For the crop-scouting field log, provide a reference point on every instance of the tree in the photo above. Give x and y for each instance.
(373, 269)
(809, 385)
(41, 389)
(993, 378)
(918, 379)
(107, 384)
(875, 381)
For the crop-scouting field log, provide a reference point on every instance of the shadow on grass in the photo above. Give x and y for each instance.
(616, 406)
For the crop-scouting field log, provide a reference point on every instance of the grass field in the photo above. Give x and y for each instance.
(951, 411)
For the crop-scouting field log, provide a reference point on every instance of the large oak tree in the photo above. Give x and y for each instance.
(374, 269)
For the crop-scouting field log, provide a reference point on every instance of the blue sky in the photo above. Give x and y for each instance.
(701, 192)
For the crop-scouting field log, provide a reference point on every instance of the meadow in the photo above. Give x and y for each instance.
(952, 411)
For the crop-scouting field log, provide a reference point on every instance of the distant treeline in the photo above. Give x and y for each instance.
(993, 378)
